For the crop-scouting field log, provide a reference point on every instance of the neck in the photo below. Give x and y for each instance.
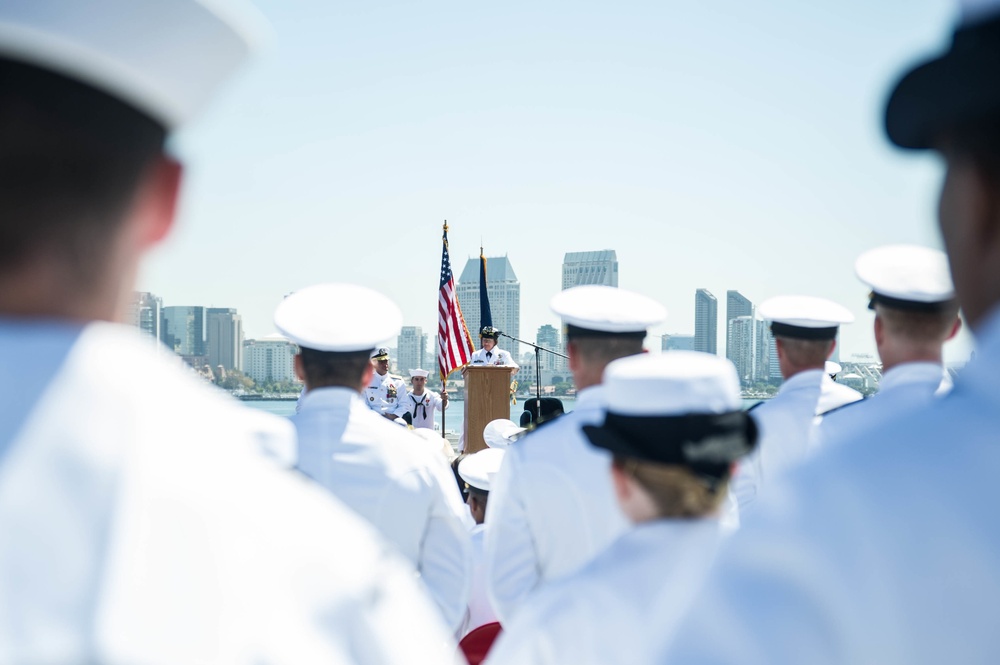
(46, 289)
(417, 392)
(897, 357)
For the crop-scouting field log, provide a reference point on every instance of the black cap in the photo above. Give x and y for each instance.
(958, 86)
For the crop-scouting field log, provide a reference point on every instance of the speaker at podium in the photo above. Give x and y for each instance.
(487, 397)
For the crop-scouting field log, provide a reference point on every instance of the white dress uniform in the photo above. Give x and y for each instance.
(787, 421)
(552, 508)
(891, 556)
(497, 356)
(904, 387)
(609, 611)
(394, 481)
(145, 526)
(422, 407)
(386, 393)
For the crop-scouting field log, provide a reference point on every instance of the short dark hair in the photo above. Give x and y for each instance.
(979, 139)
(930, 326)
(71, 159)
(334, 368)
(604, 349)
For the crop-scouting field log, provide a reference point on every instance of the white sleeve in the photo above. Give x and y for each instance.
(445, 560)
(512, 569)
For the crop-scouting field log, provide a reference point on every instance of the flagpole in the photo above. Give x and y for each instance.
(440, 353)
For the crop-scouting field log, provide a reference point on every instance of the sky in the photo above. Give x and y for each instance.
(721, 145)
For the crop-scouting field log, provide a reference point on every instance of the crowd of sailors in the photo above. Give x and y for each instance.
(657, 522)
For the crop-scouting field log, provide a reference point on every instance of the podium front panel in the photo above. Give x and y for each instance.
(487, 397)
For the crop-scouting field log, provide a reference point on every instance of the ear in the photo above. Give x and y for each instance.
(955, 327)
(879, 326)
(366, 377)
(300, 372)
(155, 205)
(833, 346)
(573, 361)
(620, 480)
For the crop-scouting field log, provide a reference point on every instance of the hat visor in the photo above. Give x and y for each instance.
(956, 87)
(609, 439)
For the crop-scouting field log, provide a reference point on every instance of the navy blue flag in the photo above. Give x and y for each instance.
(485, 315)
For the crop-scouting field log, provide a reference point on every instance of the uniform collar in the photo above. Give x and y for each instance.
(811, 378)
(592, 397)
(329, 398)
(928, 373)
(982, 374)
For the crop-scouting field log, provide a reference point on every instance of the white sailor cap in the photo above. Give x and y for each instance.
(422, 373)
(804, 317)
(906, 277)
(500, 433)
(594, 310)
(479, 469)
(832, 368)
(338, 317)
(679, 407)
(381, 353)
(162, 57)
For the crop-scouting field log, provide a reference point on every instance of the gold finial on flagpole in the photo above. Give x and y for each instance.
(446, 226)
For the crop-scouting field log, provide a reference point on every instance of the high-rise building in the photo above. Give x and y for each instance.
(145, 311)
(762, 351)
(677, 343)
(740, 338)
(505, 299)
(706, 317)
(773, 366)
(549, 337)
(412, 344)
(224, 338)
(736, 305)
(182, 329)
(271, 359)
(600, 267)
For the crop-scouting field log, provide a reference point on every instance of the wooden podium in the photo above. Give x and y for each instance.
(487, 397)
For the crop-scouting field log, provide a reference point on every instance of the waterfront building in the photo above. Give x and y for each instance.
(412, 351)
(549, 337)
(144, 312)
(600, 267)
(774, 367)
(740, 338)
(182, 329)
(223, 338)
(505, 299)
(706, 317)
(677, 342)
(270, 359)
(762, 351)
(736, 305)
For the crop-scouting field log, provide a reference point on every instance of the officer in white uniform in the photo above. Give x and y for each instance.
(915, 314)
(380, 470)
(421, 403)
(892, 554)
(386, 393)
(552, 507)
(476, 471)
(675, 425)
(144, 524)
(490, 353)
(805, 330)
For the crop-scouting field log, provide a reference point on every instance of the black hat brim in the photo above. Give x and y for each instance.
(955, 87)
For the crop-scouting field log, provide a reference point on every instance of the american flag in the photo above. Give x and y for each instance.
(454, 342)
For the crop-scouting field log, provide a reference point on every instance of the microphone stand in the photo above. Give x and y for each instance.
(538, 368)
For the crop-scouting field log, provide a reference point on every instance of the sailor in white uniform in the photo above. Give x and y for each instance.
(386, 393)
(552, 507)
(892, 554)
(805, 330)
(141, 520)
(421, 403)
(476, 471)
(382, 471)
(915, 314)
(675, 425)
(490, 353)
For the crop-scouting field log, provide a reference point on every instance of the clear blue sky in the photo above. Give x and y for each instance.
(724, 145)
